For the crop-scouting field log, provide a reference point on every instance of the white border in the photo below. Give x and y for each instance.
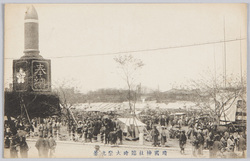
(112, 1)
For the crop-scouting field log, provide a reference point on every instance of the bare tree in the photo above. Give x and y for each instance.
(66, 95)
(216, 98)
(129, 67)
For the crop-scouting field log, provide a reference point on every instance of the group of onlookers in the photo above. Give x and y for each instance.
(46, 146)
(17, 144)
(219, 143)
(89, 129)
(48, 127)
(201, 134)
(16, 131)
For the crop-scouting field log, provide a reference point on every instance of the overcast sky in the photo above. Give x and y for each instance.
(73, 30)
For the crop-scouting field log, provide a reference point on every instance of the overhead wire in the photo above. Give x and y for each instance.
(142, 50)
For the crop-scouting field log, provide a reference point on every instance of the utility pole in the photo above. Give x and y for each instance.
(241, 62)
(225, 57)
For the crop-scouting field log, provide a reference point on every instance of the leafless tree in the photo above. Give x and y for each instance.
(66, 95)
(129, 67)
(214, 96)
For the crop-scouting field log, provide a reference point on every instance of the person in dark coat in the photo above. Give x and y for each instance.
(163, 121)
(90, 132)
(167, 120)
(107, 125)
(24, 148)
(85, 132)
(182, 141)
(50, 128)
(79, 130)
(155, 134)
(107, 135)
(7, 142)
(96, 129)
(119, 135)
(113, 137)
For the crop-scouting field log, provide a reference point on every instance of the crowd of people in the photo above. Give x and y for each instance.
(198, 132)
(17, 144)
(88, 129)
(202, 133)
(16, 131)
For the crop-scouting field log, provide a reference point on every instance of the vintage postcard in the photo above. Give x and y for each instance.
(125, 80)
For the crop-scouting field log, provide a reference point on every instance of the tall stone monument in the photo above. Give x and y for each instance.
(31, 72)
(31, 96)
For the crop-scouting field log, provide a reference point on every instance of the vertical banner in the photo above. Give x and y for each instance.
(40, 75)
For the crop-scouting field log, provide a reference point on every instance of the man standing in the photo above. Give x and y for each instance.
(39, 146)
(182, 141)
(242, 145)
(163, 136)
(216, 147)
(13, 147)
(52, 146)
(155, 134)
(200, 142)
(24, 148)
(119, 135)
(42, 146)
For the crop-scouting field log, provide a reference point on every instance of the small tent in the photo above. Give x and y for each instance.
(132, 126)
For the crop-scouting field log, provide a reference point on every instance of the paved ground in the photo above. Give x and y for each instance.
(130, 149)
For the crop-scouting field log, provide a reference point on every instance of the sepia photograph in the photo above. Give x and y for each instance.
(125, 80)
